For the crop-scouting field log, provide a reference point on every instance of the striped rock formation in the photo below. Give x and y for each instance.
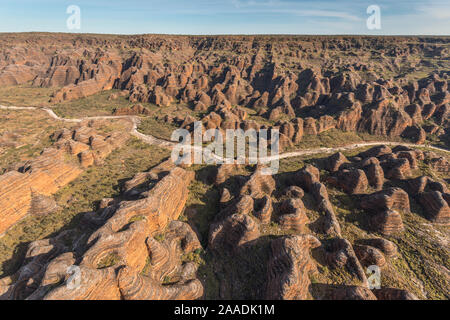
(375, 175)
(388, 199)
(334, 162)
(388, 248)
(369, 256)
(289, 267)
(393, 294)
(293, 215)
(108, 263)
(387, 222)
(340, 254)
(45, 175)
(352, 181)
(264, 209)
(436, 207)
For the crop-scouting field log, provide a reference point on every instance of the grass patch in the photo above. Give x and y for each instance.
(25, 96)
(95, 105)
(424, 259)
(23, 135)
(156, 128)
(109, 261)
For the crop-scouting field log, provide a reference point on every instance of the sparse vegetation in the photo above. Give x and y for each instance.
(108, 261)
(21, 138)
(158, 129)
(80, 196)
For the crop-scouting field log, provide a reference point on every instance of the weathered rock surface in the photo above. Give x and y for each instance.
(307, 176)
(232, 233)
(121, 243)
(289, 267)
(260, 73)
(388, 248)
(348, 293)
(293, 84)
(328, 222)
(259, 185)
(264, 209)
(387, 222)
(388, 199)
(340, 254)
(376, 152)
(294, 192)
(335, 161)
(293, 215)
(435, 206)
(375, 175)
(396, 168)
(352, 181)
(28, 190)
(369, 256)
(393, 294)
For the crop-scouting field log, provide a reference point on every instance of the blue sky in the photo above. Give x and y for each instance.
(228, 16)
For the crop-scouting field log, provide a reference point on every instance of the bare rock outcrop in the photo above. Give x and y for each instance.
(388, 248)
(264, 209)
(396, 168)
(134, 286)
(121, 242)
(340, 254)
(375, 175)
(224, 172)
(348, 293)
(307, 176)
(440, 164)
(259, 185)
(334, 162)
(42, 205)
(289, 267)
(387, 222)
(393, 294)
(294, 192)
(328, 222)
(352, 181)
(369, 256)
(293, 215)
(233, 232)
(376, 152)
(388, 199)
(29, 189)
(435, 206)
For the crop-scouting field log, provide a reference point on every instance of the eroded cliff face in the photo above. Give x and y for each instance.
(297, 83)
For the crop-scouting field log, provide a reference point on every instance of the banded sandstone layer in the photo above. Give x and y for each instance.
(280, 237)
(387, 86)
(229, 232)
(23, 191)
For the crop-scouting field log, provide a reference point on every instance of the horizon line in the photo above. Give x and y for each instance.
(227, 34)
